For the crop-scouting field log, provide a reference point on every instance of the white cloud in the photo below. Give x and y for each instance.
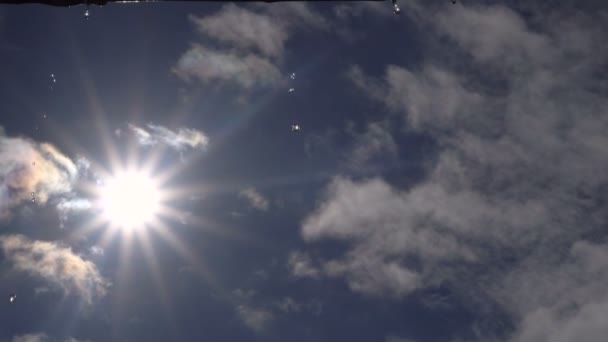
(245, 29)
(345, 11)
(393, 338)
(41, 337)
(210, 65)
(506, 40)
(375, 142)
(255, 199)
(27, 167)
(67, 206)
(518, 185)
(290, 305)
(252, 42)
(296, 15)
(256, 319)
(180, 140)
(36, 337)
(55, 264)
(300, 265)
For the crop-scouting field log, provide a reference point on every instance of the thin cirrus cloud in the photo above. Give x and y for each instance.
(520, 168)
(58, 265)
(28, 167)
(182, 139)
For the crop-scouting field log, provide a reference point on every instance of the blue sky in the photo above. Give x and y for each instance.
(447, 183)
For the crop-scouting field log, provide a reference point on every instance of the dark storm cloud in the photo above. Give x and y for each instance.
(520, 168)
(28, 167)
(58, 265)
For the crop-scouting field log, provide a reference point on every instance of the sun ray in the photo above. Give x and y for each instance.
(186, 253)
(157, 277)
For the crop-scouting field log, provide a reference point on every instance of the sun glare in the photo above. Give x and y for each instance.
(130, 200)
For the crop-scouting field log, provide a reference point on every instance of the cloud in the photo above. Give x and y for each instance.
(256, 319)
(184, 138)
(507, 210)
(253, 316)
(393, 338)
(290, 305)
(300, 265)
(211, 65)
(55, 264)
(347, 11)
(67, 206)
(296, 15)
(37, 337)
(28, 167)
(255, 199)
(374, 143)
(41, 337)
(251, 44)
(244, 29)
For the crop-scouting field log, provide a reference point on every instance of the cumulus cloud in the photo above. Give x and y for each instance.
(182, 139)
(255, 199)
(55, 264)
(517, 189)
(28, 167)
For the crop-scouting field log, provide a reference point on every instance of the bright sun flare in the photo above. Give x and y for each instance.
(130, 200)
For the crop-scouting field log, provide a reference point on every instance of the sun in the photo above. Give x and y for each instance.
(130, 199)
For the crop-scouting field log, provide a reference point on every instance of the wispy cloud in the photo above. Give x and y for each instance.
(65, 207)
(55, 264)
(256, 319)
(182, 139)
(211, 65)
(244, 29)
(519, 168)
(301, 265)
(42, 337)
(394, 338)
(255, 199)
(252, 42)
(28, 167)
(291, 305)
(375, 143)
(34, 337)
